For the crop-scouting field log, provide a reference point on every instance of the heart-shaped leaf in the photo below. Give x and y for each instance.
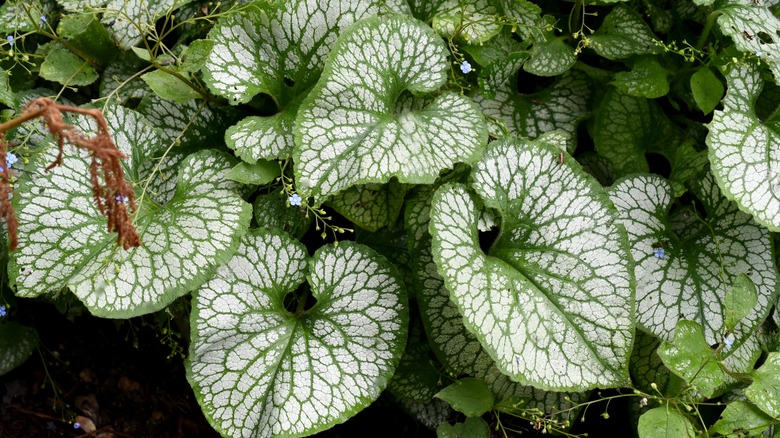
(471, 22)
(277, 48)
(263, 364)
(457, 348)
(623, 33)
(685, 264)
(553, 301)
(745, 154)
(647, 78)
(362, 123)
(182, 241)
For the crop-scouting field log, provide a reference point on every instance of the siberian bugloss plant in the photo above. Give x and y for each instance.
(535, 202)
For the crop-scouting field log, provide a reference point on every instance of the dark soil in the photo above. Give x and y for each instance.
(119, 375)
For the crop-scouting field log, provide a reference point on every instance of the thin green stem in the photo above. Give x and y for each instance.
(705, 33)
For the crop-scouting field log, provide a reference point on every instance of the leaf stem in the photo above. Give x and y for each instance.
(705, 33)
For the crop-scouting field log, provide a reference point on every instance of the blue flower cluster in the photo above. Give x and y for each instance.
(11, 159)
(2, 311)
(659, 252)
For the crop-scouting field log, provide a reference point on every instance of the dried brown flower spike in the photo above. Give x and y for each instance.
(110, 190)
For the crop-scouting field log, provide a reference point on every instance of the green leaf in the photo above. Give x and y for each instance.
(690, 357)
(765, 389)
(626, 127)
(417, 380)
(273, 211)
(647, 78)
(85, 32)
(62, 66)
(289, 369)
(119, 79)
(665, 422)
(471, 428)
(561, 107)
(264, 137)
(740, 300)
(14, 18)
(17, 343)
(260, 50)
(66, 244)
(754, 29)
(550, 58)
(370, 206)
(458, 349)
(741, 417)
(7, 97)
(745, 154)
(190, 123)
(501, 58)
(707, 89)
(473, 22)
(685, 264)
(169, 87)
(262, 172)
(552, 303)
(646, 366)
(126, 20)
(195, 55)
(376, 127)
(623, 33)
(470, 396)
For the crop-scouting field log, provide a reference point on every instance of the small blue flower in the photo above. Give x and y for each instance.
(10, 39)
(465, 67)
(728, 340)
(43, 18)
(122, 199)
(659, 252)
(759, 53)
(11, 159)
(76, 425)
(295, 199)
(2, 311)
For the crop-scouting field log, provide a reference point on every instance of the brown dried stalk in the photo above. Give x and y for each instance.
(112, 195)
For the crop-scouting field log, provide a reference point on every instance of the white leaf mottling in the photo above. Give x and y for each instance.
(261, 370)
(744, 153)
(361, 125)
(558, 281)
(690, 281)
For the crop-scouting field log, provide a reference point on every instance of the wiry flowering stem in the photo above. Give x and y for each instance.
(111, 195)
